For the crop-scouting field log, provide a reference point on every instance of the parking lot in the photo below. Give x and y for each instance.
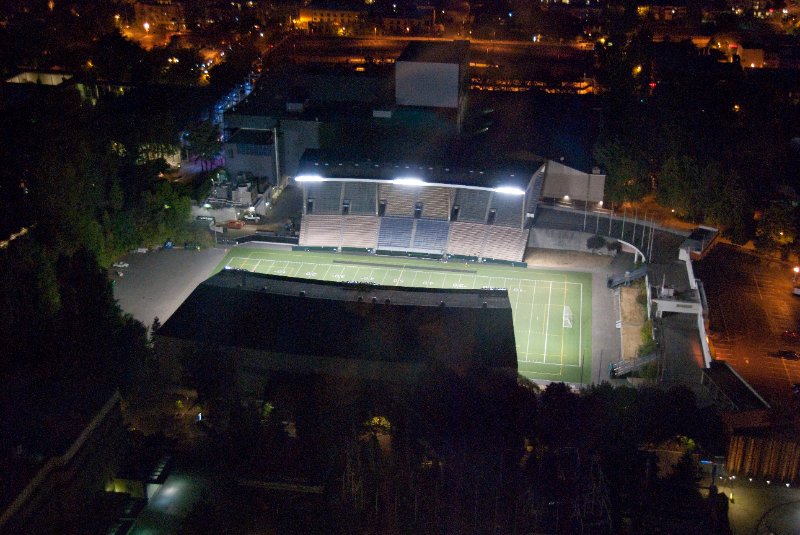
(156, 283)
(751, 304)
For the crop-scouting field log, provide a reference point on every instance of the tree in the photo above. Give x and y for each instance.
(595, 242)
(680, 187)
(776, 228)
(204, 143)
(626, 174)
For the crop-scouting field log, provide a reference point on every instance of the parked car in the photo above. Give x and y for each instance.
(235, 223)
(791, 336)
(120, 265)
(253, 218)
(786, 354)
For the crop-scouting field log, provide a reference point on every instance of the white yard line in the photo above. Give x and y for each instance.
(580, 331)
(547, 321)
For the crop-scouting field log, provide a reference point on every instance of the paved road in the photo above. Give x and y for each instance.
(156, 283)
(751, 304)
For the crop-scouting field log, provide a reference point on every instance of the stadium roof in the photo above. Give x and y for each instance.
(322, 165)
(349, 321)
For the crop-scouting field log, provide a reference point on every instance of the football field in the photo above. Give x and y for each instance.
(551, 309)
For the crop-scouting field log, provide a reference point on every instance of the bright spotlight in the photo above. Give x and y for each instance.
(510, 190)
(308, 178)
(408, 181)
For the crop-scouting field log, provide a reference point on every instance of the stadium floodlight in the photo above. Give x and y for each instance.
(408, 181)
(308, 178)
(510, 190)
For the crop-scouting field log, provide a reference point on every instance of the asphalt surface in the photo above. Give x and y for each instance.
(751, 304)
(157, 282)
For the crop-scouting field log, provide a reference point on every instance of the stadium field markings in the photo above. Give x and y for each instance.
(545, 349)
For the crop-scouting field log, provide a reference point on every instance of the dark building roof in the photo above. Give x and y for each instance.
(348, 321)
(444, 170)
(435, 52)
(250, 137)
(735, 388)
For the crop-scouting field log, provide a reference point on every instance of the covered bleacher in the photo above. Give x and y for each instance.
(417, 207)
(362, 197)
(473, 205)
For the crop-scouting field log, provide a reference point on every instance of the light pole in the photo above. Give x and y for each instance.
(796, 270)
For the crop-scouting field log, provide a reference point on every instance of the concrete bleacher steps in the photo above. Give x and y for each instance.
(360, 231)
(399, 199)
(509, 210)
(321, 230)
(395, 232)
(436, 203)
(414, 235)
(504, 243)
(466, 238)
(430, 235)
(327, 197)
(473, 205)
(363, 197)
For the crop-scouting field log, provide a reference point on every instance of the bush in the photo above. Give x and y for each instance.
(595, 242)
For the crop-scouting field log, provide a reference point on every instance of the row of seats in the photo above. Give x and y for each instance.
(400, 200)
(360, 231)
(505, 243)
(395, 232)
(431, 234)
(473, 205)
(321, 230)
(508, 209)
(404, 233)
(362, 197)
(466, 238)
(436, 203)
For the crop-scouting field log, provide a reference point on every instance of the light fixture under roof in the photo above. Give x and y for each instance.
(510, 190)
(408, 181)
(309, 178)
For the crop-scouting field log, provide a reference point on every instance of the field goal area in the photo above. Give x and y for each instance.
(551, 309)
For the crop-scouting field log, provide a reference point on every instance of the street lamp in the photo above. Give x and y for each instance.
(796, 270)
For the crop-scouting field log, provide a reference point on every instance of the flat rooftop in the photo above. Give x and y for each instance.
(448, 171)
(349, 321)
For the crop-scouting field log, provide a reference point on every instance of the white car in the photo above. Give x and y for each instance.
(120, 265)
(252, 218)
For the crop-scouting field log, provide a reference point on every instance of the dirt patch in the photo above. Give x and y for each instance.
(555, 258)
(633, 317)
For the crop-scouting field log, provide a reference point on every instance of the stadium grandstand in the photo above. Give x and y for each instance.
(394, 208)
(355, 330)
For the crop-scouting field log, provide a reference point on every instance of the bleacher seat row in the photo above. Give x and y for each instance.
(414, 235)
(429, 202)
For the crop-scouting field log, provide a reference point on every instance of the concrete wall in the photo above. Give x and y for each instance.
(561, 181)
(262, 165)
(544, 238)
(295, 137)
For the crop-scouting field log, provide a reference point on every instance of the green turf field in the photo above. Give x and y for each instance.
(552, 309)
